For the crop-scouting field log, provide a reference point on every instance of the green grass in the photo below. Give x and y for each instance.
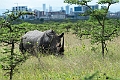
(78, 63)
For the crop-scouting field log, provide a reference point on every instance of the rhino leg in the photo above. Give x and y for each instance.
(21, 47)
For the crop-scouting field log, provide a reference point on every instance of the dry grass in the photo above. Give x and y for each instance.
(77, 63)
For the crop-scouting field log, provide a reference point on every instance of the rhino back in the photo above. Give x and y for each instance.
(30, 38)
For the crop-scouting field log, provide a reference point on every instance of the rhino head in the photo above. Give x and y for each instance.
(54, 41)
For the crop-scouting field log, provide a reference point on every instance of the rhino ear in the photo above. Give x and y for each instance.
(52, 31)
(61, 35)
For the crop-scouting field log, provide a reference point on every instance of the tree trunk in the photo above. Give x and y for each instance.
(103, 40)
(11, 73)
(11, 66)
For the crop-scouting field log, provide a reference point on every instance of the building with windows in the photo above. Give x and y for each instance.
(78, 9)
(67, 9)
(103, 7)
(81, 9)
(115, 15)
(44, 8)
(17, 9)
(38, 14)
(50, 8)
(56, 15)
(62, 8)
(20, 8)
(85, 8)
(71, 11)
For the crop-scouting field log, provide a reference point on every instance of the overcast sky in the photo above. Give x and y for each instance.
(37, 4)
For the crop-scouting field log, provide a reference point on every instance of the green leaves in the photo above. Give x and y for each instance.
(78, 2)
(7, 63)
(108, 1)
(10, 35)
(84, 2)
(93, 30)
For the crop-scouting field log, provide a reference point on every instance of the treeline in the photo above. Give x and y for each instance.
(79, 27)
(40, 21)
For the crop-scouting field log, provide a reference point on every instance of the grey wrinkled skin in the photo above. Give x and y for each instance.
(43, 42)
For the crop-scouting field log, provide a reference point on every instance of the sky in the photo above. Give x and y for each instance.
(37, 4)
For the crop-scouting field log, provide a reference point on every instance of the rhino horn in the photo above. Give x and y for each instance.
(62, 35)
(62, 47)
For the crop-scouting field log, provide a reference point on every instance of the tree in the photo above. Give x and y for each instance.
(41, 19)
(100, 16)
(9, 36)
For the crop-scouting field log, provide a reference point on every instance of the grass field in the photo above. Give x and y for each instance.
(78, 63)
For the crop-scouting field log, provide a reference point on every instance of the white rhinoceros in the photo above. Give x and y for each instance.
(37, 41)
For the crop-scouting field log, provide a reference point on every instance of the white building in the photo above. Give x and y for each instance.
(38, 14)
(56, 15)
(60, 16)
(17, 9)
